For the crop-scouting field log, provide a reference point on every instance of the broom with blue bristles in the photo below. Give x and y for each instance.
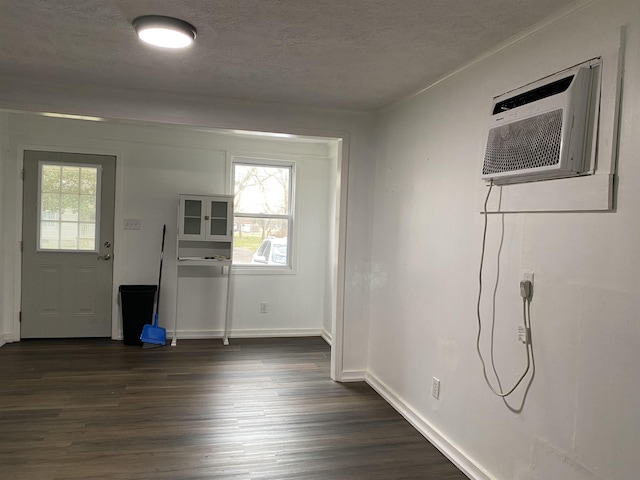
(153, 335)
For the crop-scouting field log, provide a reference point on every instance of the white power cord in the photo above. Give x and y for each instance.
(525, 292)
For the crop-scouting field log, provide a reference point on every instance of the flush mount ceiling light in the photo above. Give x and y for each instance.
(166, 32)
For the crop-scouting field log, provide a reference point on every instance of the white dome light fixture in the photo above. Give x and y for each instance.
(165, 32)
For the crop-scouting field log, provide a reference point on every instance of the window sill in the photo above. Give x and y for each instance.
(251, 270)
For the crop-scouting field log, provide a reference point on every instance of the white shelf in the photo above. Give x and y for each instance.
(211, 262)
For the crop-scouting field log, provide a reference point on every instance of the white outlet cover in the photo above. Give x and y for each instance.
(435, 388)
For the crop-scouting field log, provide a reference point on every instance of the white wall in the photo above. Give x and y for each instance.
(155, 163)
(580, 419)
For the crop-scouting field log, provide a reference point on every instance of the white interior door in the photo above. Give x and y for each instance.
(67, 273)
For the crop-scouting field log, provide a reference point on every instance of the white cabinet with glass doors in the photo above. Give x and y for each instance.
(205, 228)
(205, 239)
(206, 217)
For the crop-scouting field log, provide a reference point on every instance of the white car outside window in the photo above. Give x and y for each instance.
(272, 251)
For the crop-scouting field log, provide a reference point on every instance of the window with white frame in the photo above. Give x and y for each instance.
(263, 213)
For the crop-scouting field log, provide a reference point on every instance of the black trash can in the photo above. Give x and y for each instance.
(137, 310)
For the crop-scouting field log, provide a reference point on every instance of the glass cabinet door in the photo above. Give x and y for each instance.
(219, 218)
(192, 217)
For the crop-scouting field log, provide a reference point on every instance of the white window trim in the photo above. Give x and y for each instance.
(290, 269)
(98, 200)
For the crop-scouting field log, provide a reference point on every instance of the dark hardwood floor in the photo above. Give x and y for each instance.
(256, 409)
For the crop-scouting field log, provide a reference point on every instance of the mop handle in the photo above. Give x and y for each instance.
(164, 229)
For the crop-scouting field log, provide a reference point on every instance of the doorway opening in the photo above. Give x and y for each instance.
(150, 200)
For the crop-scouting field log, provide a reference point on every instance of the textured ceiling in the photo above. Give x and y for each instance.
(348, 54)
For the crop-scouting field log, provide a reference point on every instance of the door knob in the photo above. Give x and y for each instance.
(104, 257)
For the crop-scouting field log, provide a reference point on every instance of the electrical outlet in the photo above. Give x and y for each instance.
(435, 388)
(263, 307)
(526, 286)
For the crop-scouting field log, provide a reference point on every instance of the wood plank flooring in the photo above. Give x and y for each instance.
(253, 410)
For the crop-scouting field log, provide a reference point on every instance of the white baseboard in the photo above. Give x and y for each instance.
(275, 332)
(327, 337)
(470, 468)
(352, 376)
(8, 338)
(195, 334)
(248, 333)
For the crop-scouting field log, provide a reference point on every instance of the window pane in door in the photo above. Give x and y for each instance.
(68, 207)
(88, 181)
(87, 235)
(70, 180)
(87, 211)
(68, 236)
(50, 179)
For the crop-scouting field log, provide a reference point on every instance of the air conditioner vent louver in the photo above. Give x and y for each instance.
(530, 143)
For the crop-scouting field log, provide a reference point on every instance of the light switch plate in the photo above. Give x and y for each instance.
(132, 224)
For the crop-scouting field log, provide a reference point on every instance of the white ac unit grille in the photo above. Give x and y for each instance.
(530, 143)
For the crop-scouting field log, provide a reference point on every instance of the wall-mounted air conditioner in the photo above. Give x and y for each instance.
(542, 130)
